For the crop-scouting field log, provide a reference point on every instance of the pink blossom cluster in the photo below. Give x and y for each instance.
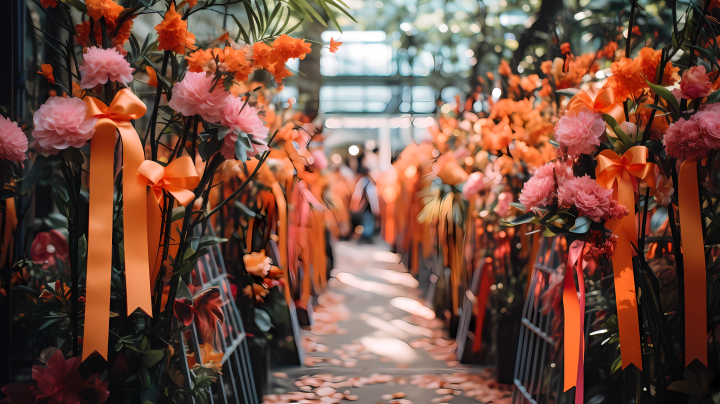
(590, 199)
(693, 138)
(246, 119)
(579, 134)
(61, 123)
(695, 83)
(541, 189)
(556, 181)
(13, 142)
(100, 65)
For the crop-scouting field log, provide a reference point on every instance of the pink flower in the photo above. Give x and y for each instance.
(48, 247)
(320, 161)
(246, 120)
(580, 133)
(473, 185)
(192, 96)
(541, 189)
(100, 65)
(591, 199)
(709, 124)
(60, 382)
(684, 140)
(60, 123)
(503, 206)
(234, 116)
(13, 142)
(694, 84)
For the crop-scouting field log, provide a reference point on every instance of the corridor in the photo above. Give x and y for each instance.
(373, 341)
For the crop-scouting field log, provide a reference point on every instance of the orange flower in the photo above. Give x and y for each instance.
(48, 3)
(281, 73)
(529, 83)
(153, 82)
(118, 40)
(649, 59)
(334, 45)
(627, 78)
(47, 71)
(490, 76)
(565, 48)
(608, 51)
(504, 69)
(201, 61)
(546, 66)
(262, 54)
(104, 8)
(636, 30)
(173, 34)
(290, 48)
(546, 89)
(235, 61)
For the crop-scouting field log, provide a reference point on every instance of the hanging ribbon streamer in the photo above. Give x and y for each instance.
(7, 244)
(531, 260)
(693, 249)
(111, 119)
(483, 293)
(179, 179)
(617, 173)
(574, 317)
(604, 103)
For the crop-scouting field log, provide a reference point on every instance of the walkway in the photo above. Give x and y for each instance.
(374, 342)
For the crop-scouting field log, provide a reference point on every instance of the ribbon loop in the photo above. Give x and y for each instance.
(604, 102)
(115, 118)
(179, 178)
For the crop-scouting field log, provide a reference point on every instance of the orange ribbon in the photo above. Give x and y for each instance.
(574, 317)
(483, 293)
(178, 178)
(617, 173)
(111, 119)
(604, 103)
(694, 256)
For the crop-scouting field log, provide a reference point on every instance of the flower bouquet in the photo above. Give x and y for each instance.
(117, 282)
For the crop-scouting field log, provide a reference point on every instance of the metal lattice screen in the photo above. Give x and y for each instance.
(538, 366)
(236, 385)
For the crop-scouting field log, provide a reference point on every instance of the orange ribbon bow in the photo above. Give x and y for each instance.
(617, 173)
(111, 119)
(693, 248)
(179, 178)
(604, 103)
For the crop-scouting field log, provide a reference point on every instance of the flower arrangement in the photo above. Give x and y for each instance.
(115, 276)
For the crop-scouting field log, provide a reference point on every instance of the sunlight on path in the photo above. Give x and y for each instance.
(374, 341)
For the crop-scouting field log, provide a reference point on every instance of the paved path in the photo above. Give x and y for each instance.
(374, 341)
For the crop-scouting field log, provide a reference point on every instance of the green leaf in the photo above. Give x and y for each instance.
(77, 5)
(36, 172)
(144, 376)
(713, 98)
(207, 241)
(618, 131)
(582, 225)
(616, 365)
(244, 209)
(569, 92)
(183, 292)
(151, 357)
(660, 216)
(263, 320)
(526, 217)
(665, 94)
(519, 206)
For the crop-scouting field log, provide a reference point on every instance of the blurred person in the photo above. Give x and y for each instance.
(364, 206)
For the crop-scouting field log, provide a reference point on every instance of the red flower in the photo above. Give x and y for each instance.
(47, 247)
(19, 393)
(61, 382)
(207, 307)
